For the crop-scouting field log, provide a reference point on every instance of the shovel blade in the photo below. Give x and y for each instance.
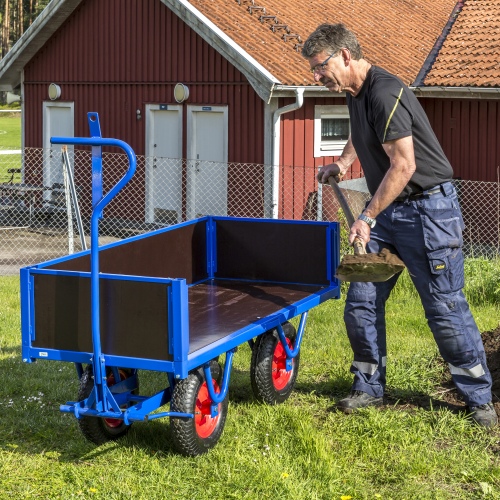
(369, 267)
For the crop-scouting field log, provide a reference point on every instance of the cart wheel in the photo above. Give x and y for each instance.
(194, 436)
(95, 429)
(271, 383)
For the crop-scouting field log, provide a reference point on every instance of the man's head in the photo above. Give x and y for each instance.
(335, 57)
(331, 38)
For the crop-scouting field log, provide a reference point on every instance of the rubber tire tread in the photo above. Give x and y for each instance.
(95, 429)
(184, 435)
(261, 367)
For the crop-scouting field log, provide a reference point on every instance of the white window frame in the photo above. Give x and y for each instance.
(328, 148)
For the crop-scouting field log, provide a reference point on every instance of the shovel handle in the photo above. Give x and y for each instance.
(342, 201)
(359, 248)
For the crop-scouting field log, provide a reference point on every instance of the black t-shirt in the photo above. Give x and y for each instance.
(386, 109)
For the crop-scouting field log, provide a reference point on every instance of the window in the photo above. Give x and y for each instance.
(331, 130)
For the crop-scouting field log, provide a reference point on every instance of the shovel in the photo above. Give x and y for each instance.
(364, 266)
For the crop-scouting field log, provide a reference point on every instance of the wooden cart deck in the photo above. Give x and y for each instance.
(219, 308)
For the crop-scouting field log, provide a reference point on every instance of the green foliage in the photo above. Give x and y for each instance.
(483, 281)
(300, 449)
(31, 9)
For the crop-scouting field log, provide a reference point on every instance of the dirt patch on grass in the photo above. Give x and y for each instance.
(491, 341)
(447, 395)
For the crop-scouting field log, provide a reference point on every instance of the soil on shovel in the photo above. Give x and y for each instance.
(370, 266)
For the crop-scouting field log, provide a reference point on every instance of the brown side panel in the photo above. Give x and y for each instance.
(268, 251)
(179, 253)
(134, 316)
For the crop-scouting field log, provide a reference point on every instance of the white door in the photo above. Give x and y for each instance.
(207, 160)
(164, 163)
(58, 121)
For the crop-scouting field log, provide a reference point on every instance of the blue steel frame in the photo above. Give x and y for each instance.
(108, 403)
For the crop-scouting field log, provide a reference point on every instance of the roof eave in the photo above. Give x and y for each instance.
(458, 92)
(309, 90)
(259, 77)
(44, 26)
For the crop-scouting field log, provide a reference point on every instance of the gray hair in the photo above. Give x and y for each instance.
(330, 38)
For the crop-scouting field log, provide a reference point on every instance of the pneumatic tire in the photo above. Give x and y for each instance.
(271, 383)
(95, 429)
(195, 436)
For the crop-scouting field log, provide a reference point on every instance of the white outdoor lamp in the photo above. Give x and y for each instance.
(181, 92)
(54, 91)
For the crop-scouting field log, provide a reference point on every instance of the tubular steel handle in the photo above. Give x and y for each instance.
(359, 248)
(98, 203)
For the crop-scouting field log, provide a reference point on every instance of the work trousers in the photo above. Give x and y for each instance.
(426, 233)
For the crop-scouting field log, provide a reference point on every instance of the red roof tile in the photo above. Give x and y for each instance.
(470, 55)
(395, 34)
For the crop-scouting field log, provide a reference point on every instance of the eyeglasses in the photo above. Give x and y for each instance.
(319, 68)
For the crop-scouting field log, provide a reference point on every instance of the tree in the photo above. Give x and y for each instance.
(6, 28)
(16, 18)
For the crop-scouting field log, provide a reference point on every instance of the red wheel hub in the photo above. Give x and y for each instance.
(204, 422)
(280, 376)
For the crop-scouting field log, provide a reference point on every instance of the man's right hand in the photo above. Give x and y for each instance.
(327, 171)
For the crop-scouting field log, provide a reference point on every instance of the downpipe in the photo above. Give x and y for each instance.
(299, 101)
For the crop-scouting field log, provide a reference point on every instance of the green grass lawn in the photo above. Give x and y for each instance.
(10, 138)
(298, 450)
(10, 130)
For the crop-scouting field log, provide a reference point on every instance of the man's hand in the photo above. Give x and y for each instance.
(360, 230)
(327, 171)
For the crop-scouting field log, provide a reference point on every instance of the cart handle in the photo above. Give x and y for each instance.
(99, 202)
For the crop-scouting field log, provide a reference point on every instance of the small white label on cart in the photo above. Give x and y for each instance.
(43, 354)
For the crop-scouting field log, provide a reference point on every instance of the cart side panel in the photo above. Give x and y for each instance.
(134, 316)
(174, 253)
(290, 251)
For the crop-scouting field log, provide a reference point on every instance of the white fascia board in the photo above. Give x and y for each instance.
(309, 91)
(458, 92)
(259, 77)
(44, 26)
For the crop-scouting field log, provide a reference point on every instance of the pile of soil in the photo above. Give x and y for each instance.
(491, 341)
(448, 395)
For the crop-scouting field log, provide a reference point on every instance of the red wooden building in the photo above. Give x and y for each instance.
(250, 97)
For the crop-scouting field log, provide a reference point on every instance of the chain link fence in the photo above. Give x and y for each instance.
(46, 202)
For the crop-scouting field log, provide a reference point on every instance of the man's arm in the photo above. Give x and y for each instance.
(340, 166)
(402, 158)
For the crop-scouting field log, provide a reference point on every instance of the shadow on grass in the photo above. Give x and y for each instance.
(10, 350)
(37, 426)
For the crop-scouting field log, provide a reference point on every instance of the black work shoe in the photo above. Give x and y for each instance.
(358, 399)
(484, 415)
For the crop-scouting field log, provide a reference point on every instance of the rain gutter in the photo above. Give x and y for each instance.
(457, 92)
(299, 101)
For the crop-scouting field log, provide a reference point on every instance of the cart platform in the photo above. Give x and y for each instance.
(241, 277)
(175, 300)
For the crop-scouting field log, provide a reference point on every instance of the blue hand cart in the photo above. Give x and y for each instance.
(175, 300)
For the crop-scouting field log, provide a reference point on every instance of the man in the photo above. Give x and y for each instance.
(414, 212)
